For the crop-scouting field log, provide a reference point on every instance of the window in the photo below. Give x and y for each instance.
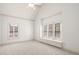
(13, 30)
(50, 30)
(57, 30)
(45, 31)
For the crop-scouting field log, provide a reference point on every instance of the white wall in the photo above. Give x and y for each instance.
(0, 28)
(16, 14)
(0, 23)
(70, 27)
(46, 11)
(25, 28)
(69, 20)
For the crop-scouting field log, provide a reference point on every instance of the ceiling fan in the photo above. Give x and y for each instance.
(34, 5)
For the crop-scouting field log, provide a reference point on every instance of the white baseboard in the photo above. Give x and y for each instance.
(52, 42)
(6, 42)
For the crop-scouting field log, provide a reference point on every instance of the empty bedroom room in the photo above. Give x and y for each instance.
(39, 28)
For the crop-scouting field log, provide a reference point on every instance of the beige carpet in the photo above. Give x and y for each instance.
(31, 48)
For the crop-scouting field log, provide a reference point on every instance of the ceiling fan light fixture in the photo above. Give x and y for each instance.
(32, 5)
